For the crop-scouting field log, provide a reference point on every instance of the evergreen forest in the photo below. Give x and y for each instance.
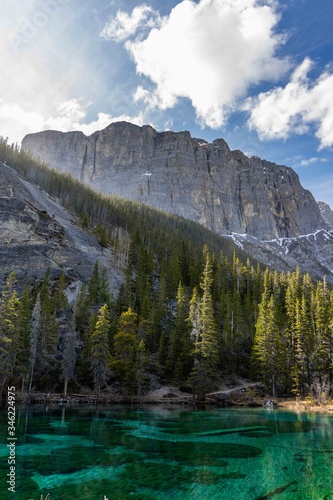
(192, 309)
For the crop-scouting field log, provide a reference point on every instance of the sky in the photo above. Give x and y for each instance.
(258, 73)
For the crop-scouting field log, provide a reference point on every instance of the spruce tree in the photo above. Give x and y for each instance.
(48, 334)
(83, 370)
(204, 332)
(69, 354)
(182, 332)
(59, 297)
(292, 298)
(323, 333)
(268, 350)
(35, 334)
(179, 331)
(9, 319)
(123, 362)
(304, 348)
(99, 349)
(82, 310)
(141, 364)
(94, 286)
(25, 312)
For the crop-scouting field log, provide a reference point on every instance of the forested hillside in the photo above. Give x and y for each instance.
(191, 309)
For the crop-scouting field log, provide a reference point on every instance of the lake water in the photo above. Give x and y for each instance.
(159, 453)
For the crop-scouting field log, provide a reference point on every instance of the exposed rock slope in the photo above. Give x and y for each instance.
(326, 213)
(36, 233)
(312, 253)
(222, 189)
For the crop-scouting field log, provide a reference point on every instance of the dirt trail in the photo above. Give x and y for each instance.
(234, 389)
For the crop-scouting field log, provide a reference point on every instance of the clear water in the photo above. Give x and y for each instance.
(159, 453)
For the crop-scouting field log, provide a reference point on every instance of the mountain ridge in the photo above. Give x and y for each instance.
(221, 189)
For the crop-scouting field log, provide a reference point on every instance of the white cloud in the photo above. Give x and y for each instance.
(41, 73)
(210, 52)
(16, 122)
(70, 114)
(124, 25)
(310, 161)
(104, 120)
(295, 108)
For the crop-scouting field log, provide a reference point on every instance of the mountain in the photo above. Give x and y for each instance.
(326, 213)
(37, 234)
(184, 293)
(222, 189)
(312, 253)
(261, 206)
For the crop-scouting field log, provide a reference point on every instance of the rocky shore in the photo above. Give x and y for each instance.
(250, 395)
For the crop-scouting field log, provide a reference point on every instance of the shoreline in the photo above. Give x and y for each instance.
(304, 406)
(171, 399)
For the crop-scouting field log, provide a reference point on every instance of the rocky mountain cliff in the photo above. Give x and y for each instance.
(39, 234)
(312, 253)
(219, 188)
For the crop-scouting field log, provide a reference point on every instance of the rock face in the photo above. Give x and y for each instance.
(326, 213)
(37, 234)
(219, 188)
(312, 253)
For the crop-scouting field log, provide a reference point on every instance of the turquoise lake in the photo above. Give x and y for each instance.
(169, 453)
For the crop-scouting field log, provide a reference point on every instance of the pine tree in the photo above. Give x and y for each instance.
(292, 298)
(60, 299)
(268, 350)
(94, 286)
(204, 332)
(209, 347)
(126, 293)
(99, 349)
(123, 362)
(84, 372)
(141, 360)
(330, 346)
(9, 317)
(128, 322)
(323, 337)
(82, 310)
(25, 312)
(69, 354)
(180, 331)
(304, 347)
(48, 334)
(195, 320)
(34, 340)
(106, 296)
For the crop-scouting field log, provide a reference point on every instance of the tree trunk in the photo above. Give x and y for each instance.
(65, 387)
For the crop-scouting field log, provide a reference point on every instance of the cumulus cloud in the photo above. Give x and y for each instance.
(70, 115)
(124, 25)
(210, 52)
(15, 122)
(295, 108)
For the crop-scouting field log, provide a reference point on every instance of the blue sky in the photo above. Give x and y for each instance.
(257, 73)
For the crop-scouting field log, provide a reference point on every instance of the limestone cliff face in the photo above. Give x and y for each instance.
(326, 213)
(36, 234)
(222, 189)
